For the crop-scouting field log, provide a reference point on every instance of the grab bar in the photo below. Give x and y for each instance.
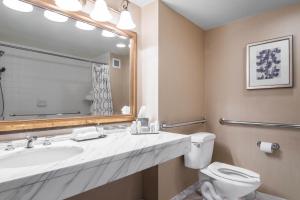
(259, 124)
(46, 114)
(165, 125)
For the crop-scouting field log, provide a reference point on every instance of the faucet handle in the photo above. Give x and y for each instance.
(31, 137)
(9, 146)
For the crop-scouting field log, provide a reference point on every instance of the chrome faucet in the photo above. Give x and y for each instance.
(30, 140)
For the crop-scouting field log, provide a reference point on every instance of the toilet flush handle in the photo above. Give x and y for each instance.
(197, 144)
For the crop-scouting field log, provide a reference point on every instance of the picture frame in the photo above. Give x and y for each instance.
(116, 63)
(270, 64)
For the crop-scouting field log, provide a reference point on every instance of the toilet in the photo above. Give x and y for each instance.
(224, 181)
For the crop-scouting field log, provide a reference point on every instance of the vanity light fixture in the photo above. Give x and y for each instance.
(84, 26)
(121, 45)
(101, 12)
(108, 34)
(18, 5)
(53, 16)
(125, 21)
(70, 5)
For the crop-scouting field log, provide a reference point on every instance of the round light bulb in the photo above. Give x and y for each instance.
(84, 26)
(125, 21)
(55, 17)
(121, 45)
(108, 34)
(101, 12)
(70, 5)
(18, 5)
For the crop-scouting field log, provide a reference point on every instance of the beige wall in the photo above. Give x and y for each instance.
(181, 90)
(227, 97)
(128, 188)
(148, 69)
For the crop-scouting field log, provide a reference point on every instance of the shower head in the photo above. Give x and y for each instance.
(1, 53)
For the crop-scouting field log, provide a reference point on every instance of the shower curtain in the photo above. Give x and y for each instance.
(102, 98)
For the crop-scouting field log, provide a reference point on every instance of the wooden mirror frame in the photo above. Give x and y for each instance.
(10, 126)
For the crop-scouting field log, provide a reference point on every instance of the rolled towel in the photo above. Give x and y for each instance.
(86, 136)
(86, 133)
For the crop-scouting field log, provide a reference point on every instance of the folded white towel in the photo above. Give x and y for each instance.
(125, 110)
(85, 136)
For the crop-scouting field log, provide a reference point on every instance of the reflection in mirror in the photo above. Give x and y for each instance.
(53, 66)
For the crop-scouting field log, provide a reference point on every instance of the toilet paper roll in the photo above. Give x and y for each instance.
(266, 147)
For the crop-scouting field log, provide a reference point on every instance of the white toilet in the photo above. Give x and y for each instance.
(226, 181)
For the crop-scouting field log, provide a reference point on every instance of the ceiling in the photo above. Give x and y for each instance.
(213, 13)
(34, 30)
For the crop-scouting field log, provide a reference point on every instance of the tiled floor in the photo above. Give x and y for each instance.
(191, 193)
(259, 196)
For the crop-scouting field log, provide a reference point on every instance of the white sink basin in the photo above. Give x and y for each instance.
(37, 156)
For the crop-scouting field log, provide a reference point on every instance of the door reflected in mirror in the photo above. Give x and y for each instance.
(53, 66)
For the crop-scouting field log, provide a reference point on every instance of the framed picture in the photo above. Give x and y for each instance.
(270, 63)
(116, 63)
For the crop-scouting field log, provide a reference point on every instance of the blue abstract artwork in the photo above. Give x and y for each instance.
(268, 64)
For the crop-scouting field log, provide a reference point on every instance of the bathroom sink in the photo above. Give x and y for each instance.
(38, 156)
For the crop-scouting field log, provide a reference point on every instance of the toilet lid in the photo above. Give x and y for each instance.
(233, 173)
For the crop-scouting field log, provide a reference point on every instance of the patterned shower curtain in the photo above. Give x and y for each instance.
(102, 98)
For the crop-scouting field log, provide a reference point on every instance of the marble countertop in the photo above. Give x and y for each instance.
(114, 148)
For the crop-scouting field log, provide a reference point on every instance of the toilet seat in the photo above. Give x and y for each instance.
(233, 173)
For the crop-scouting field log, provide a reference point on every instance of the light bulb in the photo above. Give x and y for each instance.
(18, 5)
(70, 5)
(121, 45)
(84, 26)
(125, 21)
(101, 12)
(53, 16)
(109, 34)
(123, 37)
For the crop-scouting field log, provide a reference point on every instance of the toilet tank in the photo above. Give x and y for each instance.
(201, 151)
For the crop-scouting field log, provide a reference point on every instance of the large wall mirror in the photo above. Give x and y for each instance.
(63, 70)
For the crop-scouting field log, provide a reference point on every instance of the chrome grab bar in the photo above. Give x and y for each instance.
(44, 114)
(165, 125)
(259, 124)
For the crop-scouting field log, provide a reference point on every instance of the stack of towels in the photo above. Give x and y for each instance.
(86, 133)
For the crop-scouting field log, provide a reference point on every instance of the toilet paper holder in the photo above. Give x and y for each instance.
(275, 146)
